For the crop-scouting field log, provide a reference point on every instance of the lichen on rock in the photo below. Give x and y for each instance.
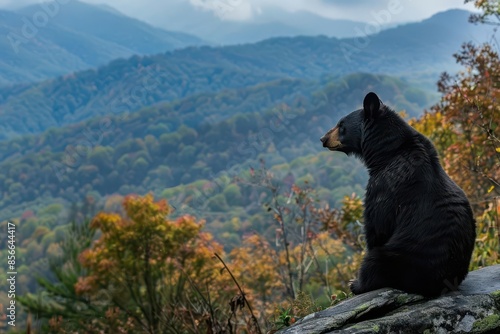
(474, 308)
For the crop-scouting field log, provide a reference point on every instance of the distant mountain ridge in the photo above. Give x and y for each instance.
(109, 25)
(50, 39)
(270, 23)
(417, 51)
(176, 143)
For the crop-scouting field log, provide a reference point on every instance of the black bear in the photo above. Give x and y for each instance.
(419, 226)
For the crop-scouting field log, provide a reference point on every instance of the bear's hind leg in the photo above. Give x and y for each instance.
(374, 274)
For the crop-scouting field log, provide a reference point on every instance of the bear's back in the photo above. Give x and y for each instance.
(412, 196)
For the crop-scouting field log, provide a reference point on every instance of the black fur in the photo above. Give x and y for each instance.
(419, 225)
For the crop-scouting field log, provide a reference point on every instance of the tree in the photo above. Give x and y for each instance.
(144, 273)
(466, 120)
(143, 264)
(313, 242)
(58, 297)
(490, 12)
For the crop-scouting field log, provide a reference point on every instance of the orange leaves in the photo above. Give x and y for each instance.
(464, 125)
(296, 189)
(255, 265)
(143, 262)
(85, 285)
(143, 241)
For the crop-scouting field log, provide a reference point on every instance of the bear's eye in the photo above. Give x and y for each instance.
(342, 128)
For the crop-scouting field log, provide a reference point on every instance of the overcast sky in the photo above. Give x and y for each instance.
(358, 10)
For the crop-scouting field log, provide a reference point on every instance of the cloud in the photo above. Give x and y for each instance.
(359, 10)
(237, 10)
(348, 3)
(13, 4)
(245, 10)
(365, 10)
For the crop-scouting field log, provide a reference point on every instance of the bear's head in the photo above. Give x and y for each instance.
(347, 135)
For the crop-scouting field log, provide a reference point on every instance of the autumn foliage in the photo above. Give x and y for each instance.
(148, 262)
(465, 128)
(143, 271)
(139, 271)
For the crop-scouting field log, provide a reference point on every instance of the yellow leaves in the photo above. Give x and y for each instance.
(161, 228)
(144, 242)
(352, 209)
(491, 189)
(497, 149)
(255, 263)
(145, 210)
(403, 114)
(324, 246)
(87, 257)
(487, 241)
(106, 221)
(257, 268)
(437, 127)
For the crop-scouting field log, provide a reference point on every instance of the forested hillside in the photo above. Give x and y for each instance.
(170, 144)
(127, 85)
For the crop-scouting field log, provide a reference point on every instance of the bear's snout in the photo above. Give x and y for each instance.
(331, 140)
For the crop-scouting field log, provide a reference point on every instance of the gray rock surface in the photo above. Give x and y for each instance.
(475, 308)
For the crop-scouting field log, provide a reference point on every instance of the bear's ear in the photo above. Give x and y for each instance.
(371, 105)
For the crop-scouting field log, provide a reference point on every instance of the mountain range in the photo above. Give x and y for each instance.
(418, 52)
(51, 39)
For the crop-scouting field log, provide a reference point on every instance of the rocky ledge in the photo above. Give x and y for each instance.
(474, 308)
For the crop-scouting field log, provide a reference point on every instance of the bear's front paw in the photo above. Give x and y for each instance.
(355, 286)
